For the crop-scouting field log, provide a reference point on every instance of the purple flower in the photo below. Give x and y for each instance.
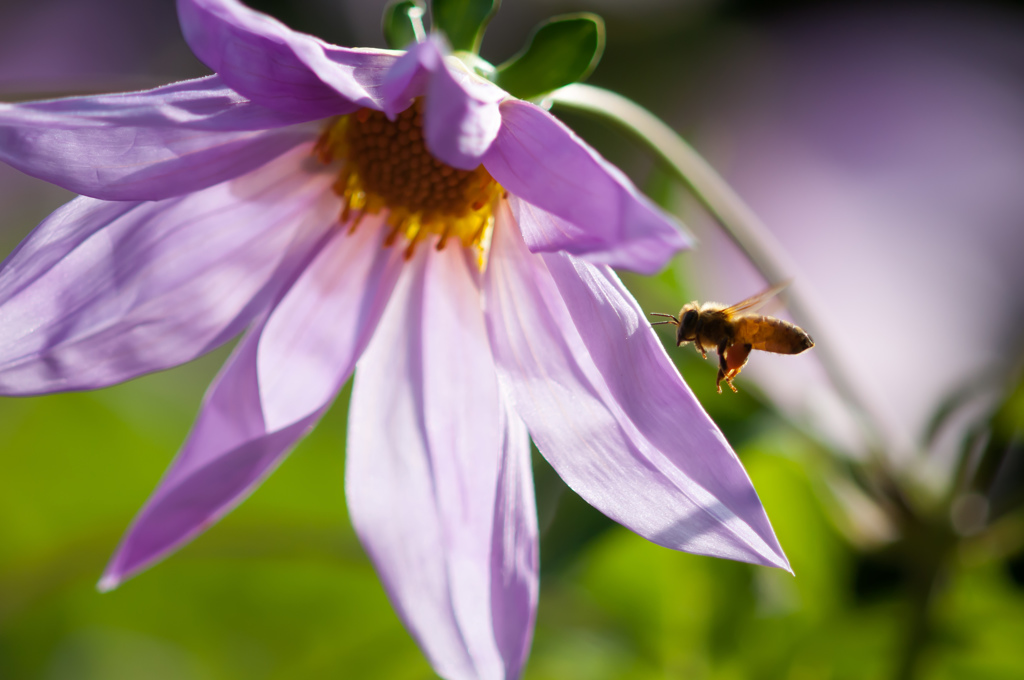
(391, 209)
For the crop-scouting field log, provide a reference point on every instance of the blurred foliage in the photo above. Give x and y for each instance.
(279, 589)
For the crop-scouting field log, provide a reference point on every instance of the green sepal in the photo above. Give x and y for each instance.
(402, 23)
(562, 50)
(462, 21)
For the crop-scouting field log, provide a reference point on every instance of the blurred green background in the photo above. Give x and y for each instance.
(280, 588)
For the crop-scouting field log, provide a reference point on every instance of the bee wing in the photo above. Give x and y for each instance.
(757, 301)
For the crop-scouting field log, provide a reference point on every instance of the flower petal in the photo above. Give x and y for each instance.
(146, 145)
(325, 321)
(426, 458)
(574, 200)
(102, 292)
(609, 411)
(410, 76)
(278, 67)
(515, 580)
(462, 117)
(241, 434)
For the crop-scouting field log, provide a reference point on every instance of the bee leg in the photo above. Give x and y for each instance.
(722, 375)
(700, 348)
(723, 367)
(731, 359)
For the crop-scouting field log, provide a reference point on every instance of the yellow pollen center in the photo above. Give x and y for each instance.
(386, 166)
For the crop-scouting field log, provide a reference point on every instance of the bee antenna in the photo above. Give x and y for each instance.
(671, 319)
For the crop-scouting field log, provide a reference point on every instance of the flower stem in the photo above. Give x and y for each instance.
(927, 547)
(735, 217)
(917, 630)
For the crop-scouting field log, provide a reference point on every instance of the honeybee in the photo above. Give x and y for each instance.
(735, 331)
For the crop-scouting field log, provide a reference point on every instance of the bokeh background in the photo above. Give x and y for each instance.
(882, 144)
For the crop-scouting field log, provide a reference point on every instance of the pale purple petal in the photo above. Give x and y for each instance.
(278, 67)
(462, 117)
(515, 580)
(643, 381)
(572, 199)
(103, 291)
(426, 451)
(410, 75)
(243, 432)
(146, 145)
(325, 321)
(676, 483)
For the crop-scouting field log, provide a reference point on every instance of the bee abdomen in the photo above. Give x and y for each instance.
(768, 334)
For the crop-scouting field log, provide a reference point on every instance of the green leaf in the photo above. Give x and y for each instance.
(402, 23)
(463, 21)
(562, 50)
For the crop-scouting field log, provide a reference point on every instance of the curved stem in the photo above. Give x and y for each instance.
(736, 218)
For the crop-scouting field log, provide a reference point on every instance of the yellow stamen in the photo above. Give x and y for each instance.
(386, 166)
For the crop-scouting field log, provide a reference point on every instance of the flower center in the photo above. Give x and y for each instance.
(386, 166)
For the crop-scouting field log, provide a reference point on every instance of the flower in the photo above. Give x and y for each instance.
(477, 306)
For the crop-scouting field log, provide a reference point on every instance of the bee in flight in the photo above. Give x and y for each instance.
(735, 331)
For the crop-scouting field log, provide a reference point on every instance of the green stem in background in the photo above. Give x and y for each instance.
(737, 219)
(927, 550)
(918, 626)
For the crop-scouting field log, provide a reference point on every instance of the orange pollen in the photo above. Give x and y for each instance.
(385, 165)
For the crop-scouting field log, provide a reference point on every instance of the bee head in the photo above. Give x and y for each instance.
(688, 316)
